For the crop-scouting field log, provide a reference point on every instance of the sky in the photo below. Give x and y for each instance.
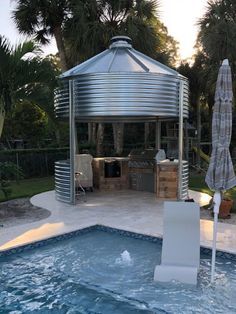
(180, 17)
(8, 29)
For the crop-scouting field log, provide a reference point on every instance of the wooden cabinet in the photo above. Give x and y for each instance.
(167, 180)
(102, 181)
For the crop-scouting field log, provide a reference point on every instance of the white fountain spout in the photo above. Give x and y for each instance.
(125, 256)
(124, 259)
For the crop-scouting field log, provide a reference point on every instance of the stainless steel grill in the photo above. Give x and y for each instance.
(142, 158)
(142, 170)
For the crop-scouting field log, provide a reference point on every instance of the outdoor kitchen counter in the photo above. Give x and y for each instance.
(110, 173)
(167, 179)
(117, 173)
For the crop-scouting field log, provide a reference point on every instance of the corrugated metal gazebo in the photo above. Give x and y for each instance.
(119, 84)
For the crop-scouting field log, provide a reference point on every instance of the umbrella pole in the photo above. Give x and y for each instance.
(216, 201)
(181, 125)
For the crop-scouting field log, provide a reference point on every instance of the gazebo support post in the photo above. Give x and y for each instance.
(181, 125)
(72, 142)
(158, 135)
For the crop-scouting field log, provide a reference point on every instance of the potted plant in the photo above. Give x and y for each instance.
(225, 206)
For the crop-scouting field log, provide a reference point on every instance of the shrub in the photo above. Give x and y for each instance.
(8, 171)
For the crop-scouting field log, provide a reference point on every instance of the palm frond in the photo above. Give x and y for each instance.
(21, 49)
(42, 36)
(25, 16)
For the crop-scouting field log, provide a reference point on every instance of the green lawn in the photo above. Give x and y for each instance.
(29, 187)
(197, 183)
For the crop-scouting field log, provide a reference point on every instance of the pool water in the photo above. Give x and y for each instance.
(87, 274)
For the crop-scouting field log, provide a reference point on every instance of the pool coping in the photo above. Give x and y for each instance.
(100, 227)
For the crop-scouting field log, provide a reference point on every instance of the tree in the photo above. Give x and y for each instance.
(94, 22)
(217, 30)
(27, 122)
(43, 96)
(8, 171)
(215, 42)
(20, 75)
(44, 19)
(194, 75)
(167, 49)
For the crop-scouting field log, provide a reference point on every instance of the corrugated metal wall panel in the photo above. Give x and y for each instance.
(123, 96)
(62, 181)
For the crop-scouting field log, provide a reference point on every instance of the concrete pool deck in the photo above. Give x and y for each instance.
(129, 210)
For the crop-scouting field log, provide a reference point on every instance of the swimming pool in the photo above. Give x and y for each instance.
(87, 274)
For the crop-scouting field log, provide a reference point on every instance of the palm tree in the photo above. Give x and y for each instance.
(42, 95)
(216, 38)
(94, 22)
(20, 75)
(215, 42)
(44, 19)
(217, 30)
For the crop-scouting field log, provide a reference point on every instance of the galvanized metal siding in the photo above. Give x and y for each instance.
(185, 177)
(122, 96)
(62, 181)
(61, 100)
(185, 99)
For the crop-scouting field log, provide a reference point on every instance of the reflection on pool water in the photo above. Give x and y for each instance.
(89, 274)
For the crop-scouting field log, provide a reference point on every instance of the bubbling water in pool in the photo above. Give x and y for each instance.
(104, 272)
(124, 259)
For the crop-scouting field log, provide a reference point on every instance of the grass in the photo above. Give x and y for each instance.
(29, 187)
(197, 183)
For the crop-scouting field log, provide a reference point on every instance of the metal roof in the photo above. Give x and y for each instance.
(120, 57)
(121, 84)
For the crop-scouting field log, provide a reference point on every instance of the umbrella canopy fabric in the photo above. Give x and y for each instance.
(220, 175)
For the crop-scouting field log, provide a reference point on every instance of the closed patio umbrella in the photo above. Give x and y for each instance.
(220, 175)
